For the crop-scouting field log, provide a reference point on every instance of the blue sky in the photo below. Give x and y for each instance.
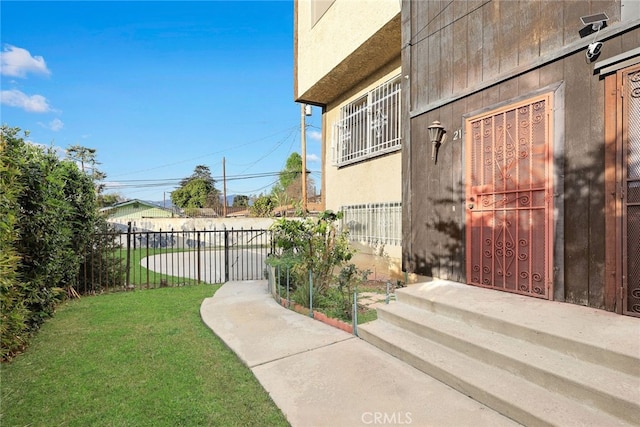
(158, 88)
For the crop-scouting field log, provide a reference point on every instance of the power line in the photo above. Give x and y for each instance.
(428, 23)
(169, 182)
(289, 129)
(413, 43)
(278, 145)
(255, 190)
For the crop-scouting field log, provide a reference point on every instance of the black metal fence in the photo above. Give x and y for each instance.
(123, 260)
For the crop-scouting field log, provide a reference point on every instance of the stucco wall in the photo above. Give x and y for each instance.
(347, 21)
(142, 212)
(167, 224)
(375, 180)
(351, 49)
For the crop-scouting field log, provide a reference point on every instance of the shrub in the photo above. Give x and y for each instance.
(13, 313)
(347, 282)
(48, 241)
(48, 214)
(100, 260)
(311, 245)
(263, 206)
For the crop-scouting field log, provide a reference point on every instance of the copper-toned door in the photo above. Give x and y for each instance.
(630, 196)
(509, 209)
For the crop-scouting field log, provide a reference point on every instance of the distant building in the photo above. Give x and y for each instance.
(136, 209)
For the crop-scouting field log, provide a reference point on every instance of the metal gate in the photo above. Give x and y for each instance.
(122, 260)
(509, 169)
(630, 191)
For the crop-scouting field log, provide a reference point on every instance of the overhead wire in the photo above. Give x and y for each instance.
(271, 184)
(142, 184)
(410, 43)
(413, 43)
(289, 129)
(278, 145)
(154, 183)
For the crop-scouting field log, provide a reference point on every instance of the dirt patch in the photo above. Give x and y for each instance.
(380, 286)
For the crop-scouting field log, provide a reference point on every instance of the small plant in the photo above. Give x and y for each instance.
(311, 245)
(302, 295)
(348, 280)
(313, 250)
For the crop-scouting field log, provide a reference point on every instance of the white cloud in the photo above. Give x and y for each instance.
(18, 62)
(315, 135)
(54, 125)
(313, 158)
(33, 103)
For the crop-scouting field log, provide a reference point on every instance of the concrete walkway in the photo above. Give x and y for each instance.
(321, 376)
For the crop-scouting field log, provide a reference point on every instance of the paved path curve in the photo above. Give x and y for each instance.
(321, 376)
(245, 264)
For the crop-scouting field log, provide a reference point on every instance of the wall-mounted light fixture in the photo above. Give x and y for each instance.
(436, 135)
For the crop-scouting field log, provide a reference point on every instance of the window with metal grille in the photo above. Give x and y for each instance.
(369, 126)
(375, 223)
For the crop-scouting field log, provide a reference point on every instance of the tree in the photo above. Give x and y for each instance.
(262, 207)
(292, 170)
(200, 172)
(82, 154)
(109, 199)
(13, 312)
(240, 201)
(289, 185)
(191, 195)
(87, 158)
(197, 190)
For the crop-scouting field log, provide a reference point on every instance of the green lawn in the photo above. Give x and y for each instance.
(139, 276)
(139, 358)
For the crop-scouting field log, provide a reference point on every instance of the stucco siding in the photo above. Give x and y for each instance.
(130, 212)
(344, 28)
(374, 180)
(189, 224)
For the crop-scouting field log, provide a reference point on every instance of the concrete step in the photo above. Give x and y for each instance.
(589, 334)
(507, 392)
(538, 362)
(604, 388)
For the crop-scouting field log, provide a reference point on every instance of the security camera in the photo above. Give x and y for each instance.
(593, 50)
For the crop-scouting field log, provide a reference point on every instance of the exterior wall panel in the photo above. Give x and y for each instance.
(518, 55)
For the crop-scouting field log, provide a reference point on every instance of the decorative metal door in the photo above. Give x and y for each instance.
(631, 190)
(509, 170)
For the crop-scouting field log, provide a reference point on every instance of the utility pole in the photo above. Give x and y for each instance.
(303, 141)
(224, 189)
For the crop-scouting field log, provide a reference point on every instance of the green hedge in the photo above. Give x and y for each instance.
(48, 214)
